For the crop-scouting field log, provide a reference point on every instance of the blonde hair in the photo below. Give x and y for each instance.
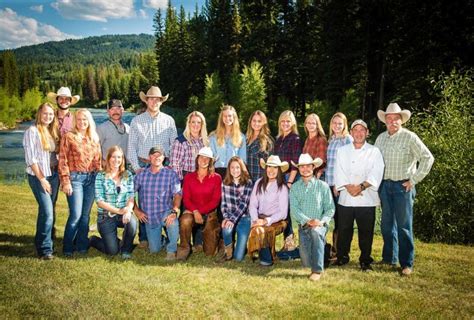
(320, 128)
(287, 114)
(122, 169)
(51, 131)
(203, 131)
(264, 136)
(345, 131)
(236, 135)
(91, 131)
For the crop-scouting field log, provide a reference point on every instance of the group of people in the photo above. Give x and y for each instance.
(225, 193)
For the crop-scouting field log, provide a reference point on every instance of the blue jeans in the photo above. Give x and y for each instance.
(397, 223)
(154, 232)
(312, 242)
(109, 243)
(80, 204)
(242, 229)
(45, 220)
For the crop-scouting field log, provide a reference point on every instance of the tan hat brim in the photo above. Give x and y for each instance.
(52, 98)
(284, 165)
(316, 163)
(405, 114)
(143, 97)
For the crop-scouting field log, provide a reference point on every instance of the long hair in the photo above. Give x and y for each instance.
(210, 168)
(244, 174)
(345, 130)
(320, 129)
(264, 136)
(287, 114)
(46, 133)
(91, 131)
(203, 132)
(236, 135)
(263, 183)
(122, 169)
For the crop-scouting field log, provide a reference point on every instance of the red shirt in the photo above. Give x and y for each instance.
(203, 196)
(317, 148)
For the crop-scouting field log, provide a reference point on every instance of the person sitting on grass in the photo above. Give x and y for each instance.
(312, 207)
(268, 210)
(114, 196)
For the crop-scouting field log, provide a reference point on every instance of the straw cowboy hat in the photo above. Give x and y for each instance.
(394, 108)
(306, 159)
(153, 92)
(206, 152)
(63, 92)
(274, 161)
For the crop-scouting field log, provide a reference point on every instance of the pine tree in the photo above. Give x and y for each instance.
(213, 100)
(253, 93)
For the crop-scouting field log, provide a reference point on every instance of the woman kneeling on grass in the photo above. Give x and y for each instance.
(236, 190)
(114, 196)
(41, 145)
(268, 209)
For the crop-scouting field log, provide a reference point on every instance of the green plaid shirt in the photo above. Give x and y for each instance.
(406, 157)
(106, 190)
(311, 201)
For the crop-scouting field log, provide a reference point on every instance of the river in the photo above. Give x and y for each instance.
(12, 156)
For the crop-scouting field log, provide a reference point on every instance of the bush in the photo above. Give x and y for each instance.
(443, 210)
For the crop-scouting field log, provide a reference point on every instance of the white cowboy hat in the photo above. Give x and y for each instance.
(153, 92)
(63, 92)
(306, 159)
(274, 161)
(206, 152)
(394, 108)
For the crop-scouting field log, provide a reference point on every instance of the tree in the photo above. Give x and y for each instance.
(253, 93)
(9, 75)
(213, 100)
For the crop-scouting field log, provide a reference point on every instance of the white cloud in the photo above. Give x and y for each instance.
(17, 31)
(142, 14)
(95, 10)
(155, 4)
(38, 9)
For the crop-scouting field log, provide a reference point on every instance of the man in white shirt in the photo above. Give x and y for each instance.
(358, 174)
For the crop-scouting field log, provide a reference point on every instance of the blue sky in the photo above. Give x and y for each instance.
(27, 22)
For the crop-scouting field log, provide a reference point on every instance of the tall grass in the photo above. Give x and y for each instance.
(96, 286)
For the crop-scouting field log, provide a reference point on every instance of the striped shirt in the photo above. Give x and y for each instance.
(334, 144)
(34, 153)
(156, 192)
(228, 150)
(235, 201)
(106, 191)
(405, 156)
(77, 155)
(147, 132)
(288, 148)
(254, 154)
(183, 154)
(311, 201)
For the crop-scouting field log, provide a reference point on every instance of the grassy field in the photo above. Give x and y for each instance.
(96, 286)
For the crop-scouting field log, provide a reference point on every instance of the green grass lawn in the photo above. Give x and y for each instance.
(96, 286)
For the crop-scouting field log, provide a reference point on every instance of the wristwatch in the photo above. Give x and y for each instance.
(175, 211)
(362, 187)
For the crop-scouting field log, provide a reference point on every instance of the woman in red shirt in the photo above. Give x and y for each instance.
(201, 196)
(316, 143)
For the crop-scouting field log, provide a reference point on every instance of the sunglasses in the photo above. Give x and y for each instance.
(119, 189)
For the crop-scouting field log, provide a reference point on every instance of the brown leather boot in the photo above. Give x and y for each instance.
(227, 253)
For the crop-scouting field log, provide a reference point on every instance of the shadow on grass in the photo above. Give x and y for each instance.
(17, 245)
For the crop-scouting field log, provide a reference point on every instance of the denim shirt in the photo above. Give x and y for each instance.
(228, 150)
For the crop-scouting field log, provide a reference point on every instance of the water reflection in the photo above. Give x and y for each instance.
(12, 156)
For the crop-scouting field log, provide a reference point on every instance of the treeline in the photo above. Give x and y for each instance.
(317, 55)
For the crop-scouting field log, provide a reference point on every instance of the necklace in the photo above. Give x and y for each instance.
(120, 129)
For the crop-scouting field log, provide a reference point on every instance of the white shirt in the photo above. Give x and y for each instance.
(354, 166)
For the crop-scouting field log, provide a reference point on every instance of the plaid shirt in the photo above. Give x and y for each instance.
(254, 154)
(288, 148)
(147, 132)
(156, 192)
(106, 190)
(77, 155)
(317, 147)
(402, 152)
(183, 154)
(311, 201)
(235, 201)
(334, 144)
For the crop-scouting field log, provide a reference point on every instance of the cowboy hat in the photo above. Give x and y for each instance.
(153, 92)
(274, 161)
(63, 92)
(394, 108)
(306, 159)
(206, 152)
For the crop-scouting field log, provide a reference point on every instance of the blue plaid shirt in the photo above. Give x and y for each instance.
(156, 192)
(334, 144)
(235, 200)
(253, 159)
